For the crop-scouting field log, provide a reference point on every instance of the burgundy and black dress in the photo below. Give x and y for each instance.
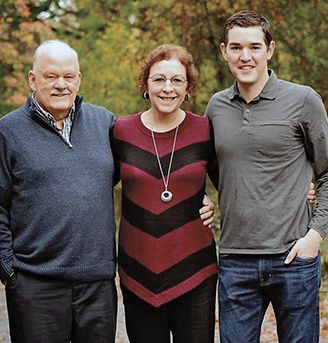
(164, 249)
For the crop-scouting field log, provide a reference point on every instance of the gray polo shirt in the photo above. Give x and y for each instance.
(268, 151)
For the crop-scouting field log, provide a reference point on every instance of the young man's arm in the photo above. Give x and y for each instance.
(315, 124)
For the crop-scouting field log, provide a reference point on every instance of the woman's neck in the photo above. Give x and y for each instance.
(162, 122)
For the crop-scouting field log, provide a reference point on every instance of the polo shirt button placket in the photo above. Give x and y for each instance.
(246, 112)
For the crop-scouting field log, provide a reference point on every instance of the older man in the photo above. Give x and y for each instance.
(57, 242)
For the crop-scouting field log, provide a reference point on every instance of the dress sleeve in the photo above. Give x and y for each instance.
(113, 143)
(213, 167)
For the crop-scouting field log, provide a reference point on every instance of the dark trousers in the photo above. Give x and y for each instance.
(190, 318)
(51, 311)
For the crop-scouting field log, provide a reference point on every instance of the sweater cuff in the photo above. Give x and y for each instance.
(6, 269)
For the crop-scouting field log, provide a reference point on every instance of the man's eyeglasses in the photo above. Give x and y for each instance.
(160, 80)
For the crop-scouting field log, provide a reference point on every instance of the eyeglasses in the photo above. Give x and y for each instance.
(160, 80)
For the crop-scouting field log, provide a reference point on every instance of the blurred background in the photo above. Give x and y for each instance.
(113, 36)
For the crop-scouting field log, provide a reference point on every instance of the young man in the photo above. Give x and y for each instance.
(271, 139)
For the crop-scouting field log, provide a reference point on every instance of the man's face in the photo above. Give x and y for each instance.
(55, 80)
(248, 55)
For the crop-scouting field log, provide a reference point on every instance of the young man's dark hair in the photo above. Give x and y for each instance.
(247, 19)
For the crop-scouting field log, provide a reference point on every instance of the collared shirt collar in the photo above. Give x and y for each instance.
(65, 133)
(268, 92)
(49, 117)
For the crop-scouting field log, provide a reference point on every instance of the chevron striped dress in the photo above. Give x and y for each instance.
(164, 249)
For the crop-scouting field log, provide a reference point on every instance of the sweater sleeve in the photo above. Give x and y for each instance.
(6, 249)
(315, 125)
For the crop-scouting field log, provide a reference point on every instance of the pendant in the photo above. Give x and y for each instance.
(166, 196)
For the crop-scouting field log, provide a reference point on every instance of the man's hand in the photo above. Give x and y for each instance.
(305, 247)
(312, 195)
(207, 212)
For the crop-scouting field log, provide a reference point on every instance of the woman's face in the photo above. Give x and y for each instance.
(167, 86)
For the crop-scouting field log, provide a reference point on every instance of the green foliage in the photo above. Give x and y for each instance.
(113, 36)
(302, 42)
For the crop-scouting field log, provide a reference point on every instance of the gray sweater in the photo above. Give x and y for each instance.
(56, 201)
(268, 151)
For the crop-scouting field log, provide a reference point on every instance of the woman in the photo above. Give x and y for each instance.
(167, 257)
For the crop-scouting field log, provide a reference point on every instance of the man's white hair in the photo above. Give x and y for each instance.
(54, 46)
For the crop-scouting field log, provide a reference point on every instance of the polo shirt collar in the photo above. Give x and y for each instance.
(271, 87)
(269, 91)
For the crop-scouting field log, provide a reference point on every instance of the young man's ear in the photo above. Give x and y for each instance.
(223, 51)
(270, 50)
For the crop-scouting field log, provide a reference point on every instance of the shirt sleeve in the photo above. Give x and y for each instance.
(315, 125)
(208, 109)
(6, 242)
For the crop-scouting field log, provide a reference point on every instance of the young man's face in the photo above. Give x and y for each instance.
(248, 55)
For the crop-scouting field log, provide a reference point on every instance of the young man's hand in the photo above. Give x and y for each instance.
(312, 194)
(305, 247)
(207, 212)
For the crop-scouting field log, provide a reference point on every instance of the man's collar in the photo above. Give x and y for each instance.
(48, 114)
(233, 91)
(271, 87)
(268, 92)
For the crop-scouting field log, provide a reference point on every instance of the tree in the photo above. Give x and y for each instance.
(118, 34)
(21, 29)
(113, 36)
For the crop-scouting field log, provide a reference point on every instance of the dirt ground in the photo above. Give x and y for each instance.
(268, 328)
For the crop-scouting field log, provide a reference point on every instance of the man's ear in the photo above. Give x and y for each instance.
(223, 51)
(31, 80)
(80, 78)
(270, 51)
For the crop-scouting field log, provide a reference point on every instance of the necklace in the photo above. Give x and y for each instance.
(166, 195)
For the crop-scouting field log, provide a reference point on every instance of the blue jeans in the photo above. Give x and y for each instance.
(248, 283)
